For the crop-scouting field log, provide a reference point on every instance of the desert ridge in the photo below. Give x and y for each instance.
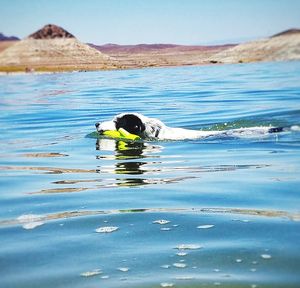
(284, 46)
(161, 55)
(53, 49)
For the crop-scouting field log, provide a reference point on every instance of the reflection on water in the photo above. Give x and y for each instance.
(59, 190)
(125, 164)
(47, 170)
(44, 155)
(82, 213)
(127, 149)
(124, 154)
(124, 151)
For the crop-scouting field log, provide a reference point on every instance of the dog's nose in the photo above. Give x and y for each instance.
(99, 131)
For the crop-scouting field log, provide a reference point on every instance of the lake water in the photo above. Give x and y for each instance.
(76, 211)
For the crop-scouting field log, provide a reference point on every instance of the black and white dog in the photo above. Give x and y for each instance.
(153, 129)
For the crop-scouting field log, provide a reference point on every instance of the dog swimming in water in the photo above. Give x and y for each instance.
(154, 129)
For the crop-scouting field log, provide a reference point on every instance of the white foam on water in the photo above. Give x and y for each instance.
(295, 128)
(32, 225)
(266, 256)
(184, 278)
(188, 247)
(165, 229)
(30, 221)
(205, 226)
(166, 284)
(179, 265)
(29, 218)
(123, 269)
(107, 229)
(161, 222)
(104, 277)
(91, 273)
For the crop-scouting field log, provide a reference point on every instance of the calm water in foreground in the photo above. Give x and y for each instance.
(76, 211)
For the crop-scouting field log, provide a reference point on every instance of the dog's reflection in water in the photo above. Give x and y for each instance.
(126, 155)
(127, 150)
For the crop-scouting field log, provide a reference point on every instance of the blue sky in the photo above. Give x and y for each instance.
(152, 21)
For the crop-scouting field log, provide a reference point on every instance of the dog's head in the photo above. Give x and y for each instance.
(132, 123)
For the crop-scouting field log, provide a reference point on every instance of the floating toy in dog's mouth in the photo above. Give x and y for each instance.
(121, 134)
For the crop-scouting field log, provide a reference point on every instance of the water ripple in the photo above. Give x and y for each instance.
(74, 214)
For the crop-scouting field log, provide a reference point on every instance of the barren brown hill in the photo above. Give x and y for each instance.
(53, 49)
(283, 46)
(288, 32)
(51, 31)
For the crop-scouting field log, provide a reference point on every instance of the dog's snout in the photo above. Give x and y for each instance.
(100, 131)
(104, 126)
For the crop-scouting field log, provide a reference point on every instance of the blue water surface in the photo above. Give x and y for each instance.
(77, 211)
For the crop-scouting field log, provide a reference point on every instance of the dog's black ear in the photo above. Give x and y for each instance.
(131, 123)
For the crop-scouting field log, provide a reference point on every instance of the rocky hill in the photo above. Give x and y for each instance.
(283, 46)
(288, 32)
(53, 49)
(51, 31)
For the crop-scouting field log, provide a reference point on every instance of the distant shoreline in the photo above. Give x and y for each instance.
(59, 70)
(124, 57)
(69, 70)
(56, 55)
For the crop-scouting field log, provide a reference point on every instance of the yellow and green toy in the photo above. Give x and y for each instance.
(121, 134)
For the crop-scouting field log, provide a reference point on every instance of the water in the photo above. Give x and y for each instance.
(216, 212)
